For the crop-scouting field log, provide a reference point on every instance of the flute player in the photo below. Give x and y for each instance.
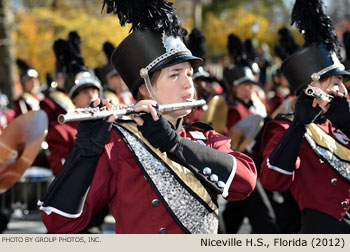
(308, 151)
(155, 175)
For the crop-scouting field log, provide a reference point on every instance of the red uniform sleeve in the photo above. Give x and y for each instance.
(244, 172)
(273, 178)
(60, 139)
(232, 118)
(275, 102)
(18, 110)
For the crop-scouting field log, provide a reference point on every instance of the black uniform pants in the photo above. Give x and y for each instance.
(316, 222)
(257, 208)
(4, 220)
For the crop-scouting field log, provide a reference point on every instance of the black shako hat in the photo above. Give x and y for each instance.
(151, 50)
(310, 64)
(320, 55)
(26, 71)
(241, 71)
(155, 42)
(239, 74)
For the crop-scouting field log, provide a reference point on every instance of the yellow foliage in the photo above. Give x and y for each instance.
(239, 22)
(38, 29)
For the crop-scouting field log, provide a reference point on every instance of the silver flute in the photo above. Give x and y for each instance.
(90, 113)
(317, 93)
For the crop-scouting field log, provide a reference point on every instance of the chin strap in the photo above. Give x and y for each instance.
(145, 76)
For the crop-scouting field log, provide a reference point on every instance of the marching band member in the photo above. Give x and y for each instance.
(155, 175)
(308, 151)
(30, 97)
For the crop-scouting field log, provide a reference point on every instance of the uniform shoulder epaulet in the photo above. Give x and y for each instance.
(199, 125)
(62, 99)
(285, 117)
(112, 97)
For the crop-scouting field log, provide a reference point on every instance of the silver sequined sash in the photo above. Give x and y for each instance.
(342, 167)
(188, 210)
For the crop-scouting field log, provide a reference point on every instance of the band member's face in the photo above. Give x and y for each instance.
(60, 80)
(85, 97)
(202, 87)
(244, 91)
(332, 83)
(284, 82)
(117, 84)
(175, 84)
(31, 85)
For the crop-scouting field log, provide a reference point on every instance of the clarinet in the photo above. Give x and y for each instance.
(90, 113)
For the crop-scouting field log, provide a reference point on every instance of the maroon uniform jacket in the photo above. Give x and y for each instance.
(194, 116)
(52, 109)
(314, 183)
(60, 138)
(6, 116)
(236, 113)
(276, 101)
(27, 102)
(280, 95)
(119, 182)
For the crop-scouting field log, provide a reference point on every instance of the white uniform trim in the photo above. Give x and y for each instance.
(49, 210)
(230, 178)
(277, 168)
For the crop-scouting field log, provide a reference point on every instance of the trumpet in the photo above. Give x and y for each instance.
(91, 113)
(317, 93)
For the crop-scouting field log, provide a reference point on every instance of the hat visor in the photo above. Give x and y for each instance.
(336, 71)
(344, 73)
(75, 91)
(245, 80)
(178, 58)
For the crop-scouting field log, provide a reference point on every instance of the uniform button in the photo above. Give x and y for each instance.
(334, 181)
(321, 161)
(162, 230)
(344, 204)
(155, 202)
(221, 184)
(214, 178)
(206, 171)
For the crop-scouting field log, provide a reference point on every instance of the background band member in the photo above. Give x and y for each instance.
(116, 90)
(61, 137)
(30, 97)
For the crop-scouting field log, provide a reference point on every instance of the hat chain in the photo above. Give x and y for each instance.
(317, 76)
(162, 57)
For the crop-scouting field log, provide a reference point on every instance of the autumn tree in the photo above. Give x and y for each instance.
(6, 49)
(38, 28)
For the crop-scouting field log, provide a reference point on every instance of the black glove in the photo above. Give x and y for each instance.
(158, 133)
(305, 113)
(339, 114)
(92, 136)
(195, 156)
(285, 153)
